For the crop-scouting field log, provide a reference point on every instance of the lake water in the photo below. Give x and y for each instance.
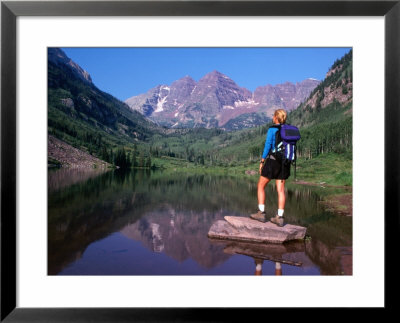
(156, 223)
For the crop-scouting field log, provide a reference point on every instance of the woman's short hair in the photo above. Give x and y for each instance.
(280, 115)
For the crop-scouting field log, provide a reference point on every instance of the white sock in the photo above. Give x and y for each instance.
(261, 207)
(280, 212)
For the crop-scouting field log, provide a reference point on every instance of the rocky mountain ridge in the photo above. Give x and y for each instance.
(58, 57)
(216, 100)
(336, 87)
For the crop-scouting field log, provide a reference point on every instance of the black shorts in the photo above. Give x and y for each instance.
(274, 168)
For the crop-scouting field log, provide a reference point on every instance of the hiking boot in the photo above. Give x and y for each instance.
(278, 220)
(259, 216)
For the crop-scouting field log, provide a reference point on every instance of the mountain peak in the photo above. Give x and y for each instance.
(186, 78)
(215, 72)
(215, 75)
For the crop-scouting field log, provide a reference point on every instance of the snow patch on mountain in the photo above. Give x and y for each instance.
(248, 103)
(161, 99)
(160, 104)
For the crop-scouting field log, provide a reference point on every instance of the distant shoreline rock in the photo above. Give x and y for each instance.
(61, 154)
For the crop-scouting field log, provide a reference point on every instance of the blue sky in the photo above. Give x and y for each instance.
(126, 72)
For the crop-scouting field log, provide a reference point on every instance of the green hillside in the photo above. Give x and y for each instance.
(87, 118)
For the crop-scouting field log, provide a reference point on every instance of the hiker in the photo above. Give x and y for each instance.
(272, 167)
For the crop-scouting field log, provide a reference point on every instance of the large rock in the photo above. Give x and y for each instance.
(246, 229)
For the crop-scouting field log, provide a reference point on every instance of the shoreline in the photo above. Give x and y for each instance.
(323, 184)
(341, 203)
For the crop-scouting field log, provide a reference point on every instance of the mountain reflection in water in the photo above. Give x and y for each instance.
(178, 234)
(144, 223)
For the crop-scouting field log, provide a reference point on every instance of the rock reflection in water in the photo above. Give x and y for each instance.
(63, 177)
(290, 253)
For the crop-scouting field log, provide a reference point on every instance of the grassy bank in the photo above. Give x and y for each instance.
(329, 169)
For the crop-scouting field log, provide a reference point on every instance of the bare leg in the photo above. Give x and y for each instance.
(280, 187)
(258, 263)
(262, 183)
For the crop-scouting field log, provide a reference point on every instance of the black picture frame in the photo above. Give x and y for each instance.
(10, 10)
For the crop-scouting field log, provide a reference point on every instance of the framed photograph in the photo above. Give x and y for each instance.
(38, 281)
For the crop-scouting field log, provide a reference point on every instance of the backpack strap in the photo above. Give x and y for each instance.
(277, 135)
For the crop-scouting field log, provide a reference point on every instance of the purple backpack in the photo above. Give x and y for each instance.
(285, 141)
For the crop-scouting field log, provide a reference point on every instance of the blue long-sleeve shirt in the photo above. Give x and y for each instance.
(269, 142)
